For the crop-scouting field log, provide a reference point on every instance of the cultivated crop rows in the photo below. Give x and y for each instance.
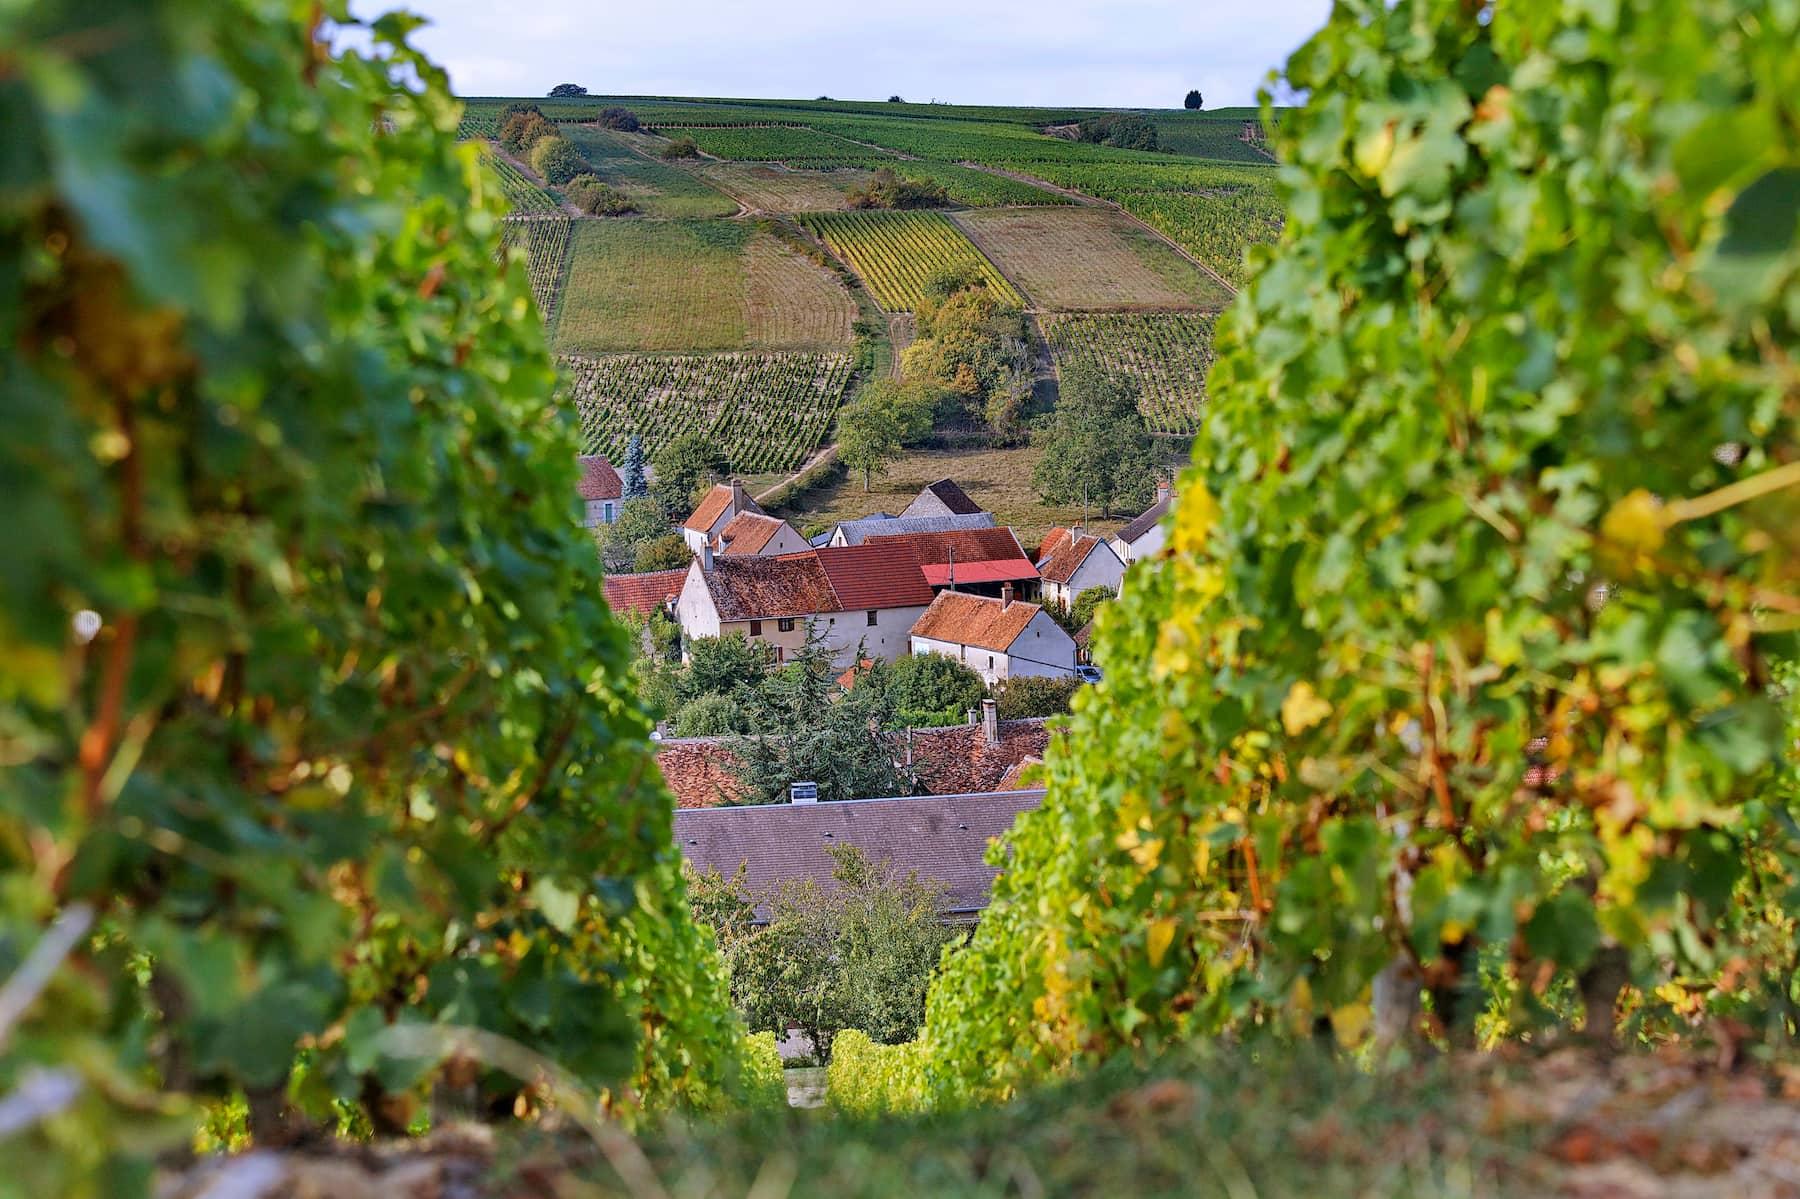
(897, 252)
(522, 193)
(1167, 354)
(766, 410)
(477, 127)
(546, 241)
(779, 143)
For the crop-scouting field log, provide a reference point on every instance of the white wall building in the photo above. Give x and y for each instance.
(999, 639)
(1070, 562)
(599, 489)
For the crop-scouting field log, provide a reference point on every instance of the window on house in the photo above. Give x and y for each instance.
(871, 618)
(990, 661)
(609, 512)
(785, 624)
(756, 628)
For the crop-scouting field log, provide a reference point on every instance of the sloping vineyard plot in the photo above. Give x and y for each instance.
(779, 143)
(521, 191)
(774, 188)
(547, 242)
(766, 410)
(1166, 354)
(1077, 259)
(658, 189)
(896, 252)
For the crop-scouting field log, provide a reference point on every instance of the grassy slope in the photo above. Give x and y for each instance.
(658, 189)
(778, 189)
(1077, 259)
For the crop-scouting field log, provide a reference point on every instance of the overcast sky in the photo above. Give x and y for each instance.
(1125, 53)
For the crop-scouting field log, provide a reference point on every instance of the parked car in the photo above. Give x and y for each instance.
(1088, 674)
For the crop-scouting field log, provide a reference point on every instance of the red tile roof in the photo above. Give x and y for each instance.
(699, 771)
(748, 533)
(1014, 778)
(715, 505)
(1062, 554)
(750, 588)
(645, 593)
(964, 619)
(874, 576)
(963, 545)
(599, 481)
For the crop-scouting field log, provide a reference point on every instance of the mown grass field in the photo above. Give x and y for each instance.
(897, 252)
(997, 479)
(1079, 259)
(781, 189)
(658, 189)
(675, 286)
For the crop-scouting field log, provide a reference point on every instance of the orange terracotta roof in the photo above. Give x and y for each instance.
(958, 759)
(1062, 554)
(748, 533)
(964, 619)
(599, 481)
(700, 771)
(717, 502)
(964, 545)
(644, 593)
(874, 576)
(1014, 778)
(745, 587)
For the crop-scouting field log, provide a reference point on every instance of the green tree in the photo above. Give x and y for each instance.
(857, 953)
(568, 89)
(685, 465)
(722, 666)
(640, 523)
(1193, 101)
(930, 689)
(975, 348)
(1466, 665)
(557, 160)
(711, 716)
(308, 693)
(522, 127)
(631, 471)
(1028, 697)
(668, 552)
(1097, 449)
(622, 119)
(681, 147)
(1088, 603)
(879, 423)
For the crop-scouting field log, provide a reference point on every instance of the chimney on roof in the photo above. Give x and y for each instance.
(803, 793)
(990, 723)
(706, 556)
(1162, 490)
(740, 499)
(1006, 595)
(972, 716)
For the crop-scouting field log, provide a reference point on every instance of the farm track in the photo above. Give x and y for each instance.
(1022, 177)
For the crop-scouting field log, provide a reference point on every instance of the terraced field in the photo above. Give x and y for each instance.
(683, 286)
(897, 252)
(1166, 354)
(767, 411)
(1077, 259)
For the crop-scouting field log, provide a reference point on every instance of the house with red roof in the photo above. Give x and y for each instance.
(979, 561)
(598, 487)
(753, 533)
(1070, 562)
(710, 516)
(855, 597)
(999, 639)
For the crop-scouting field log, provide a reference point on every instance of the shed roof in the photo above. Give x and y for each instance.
(744, 587)
(942, 498)
(722, 498)
(1145, 521)
(748, 533)
(1063, 552)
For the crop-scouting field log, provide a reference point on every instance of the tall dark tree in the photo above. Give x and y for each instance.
(631, 471)
(568, 89)
(1193, 101)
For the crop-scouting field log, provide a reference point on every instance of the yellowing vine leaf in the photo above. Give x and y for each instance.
(1302, 709)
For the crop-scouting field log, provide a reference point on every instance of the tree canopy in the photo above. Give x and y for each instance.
(568, 89)
(1193, 100)
(1097, 448)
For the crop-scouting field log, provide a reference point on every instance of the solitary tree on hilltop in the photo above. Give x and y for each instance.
(568, 89)
(895, 100)
(1193, 100)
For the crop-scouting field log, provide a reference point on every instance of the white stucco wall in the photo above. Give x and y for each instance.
(974, 657)
(595, 513)
(1042, 650)
(1101, 568)
(694, 609)
(887, 640)
(1147, 546)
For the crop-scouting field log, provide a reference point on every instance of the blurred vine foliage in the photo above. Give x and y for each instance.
(354, 742)
(1468, 656)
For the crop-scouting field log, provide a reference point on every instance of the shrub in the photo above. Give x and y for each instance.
(1457, 676)
(668, 552)
(1193, 101)
(711, 716)
(886, 188)
(595, 198)
(557, 160)
(1088, 603)
(866, 1079)
(622, 119)
(681, 147)
(934, 683)
(763, 1083)
(523, 130)
(1028, 697)
(1116, 129)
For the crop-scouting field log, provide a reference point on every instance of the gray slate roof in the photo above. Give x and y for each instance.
(887, 526)
(1145, 522)
(942, 498)
(943, 837)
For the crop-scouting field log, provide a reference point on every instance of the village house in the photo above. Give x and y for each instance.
(942, 498)
(599, 488)
(979, 561)
(999, 639)
(643, 596)
(853, 596)
(855, 532)
(1144, 536)
(712, 514)
(1070, 562)
(765, 536)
